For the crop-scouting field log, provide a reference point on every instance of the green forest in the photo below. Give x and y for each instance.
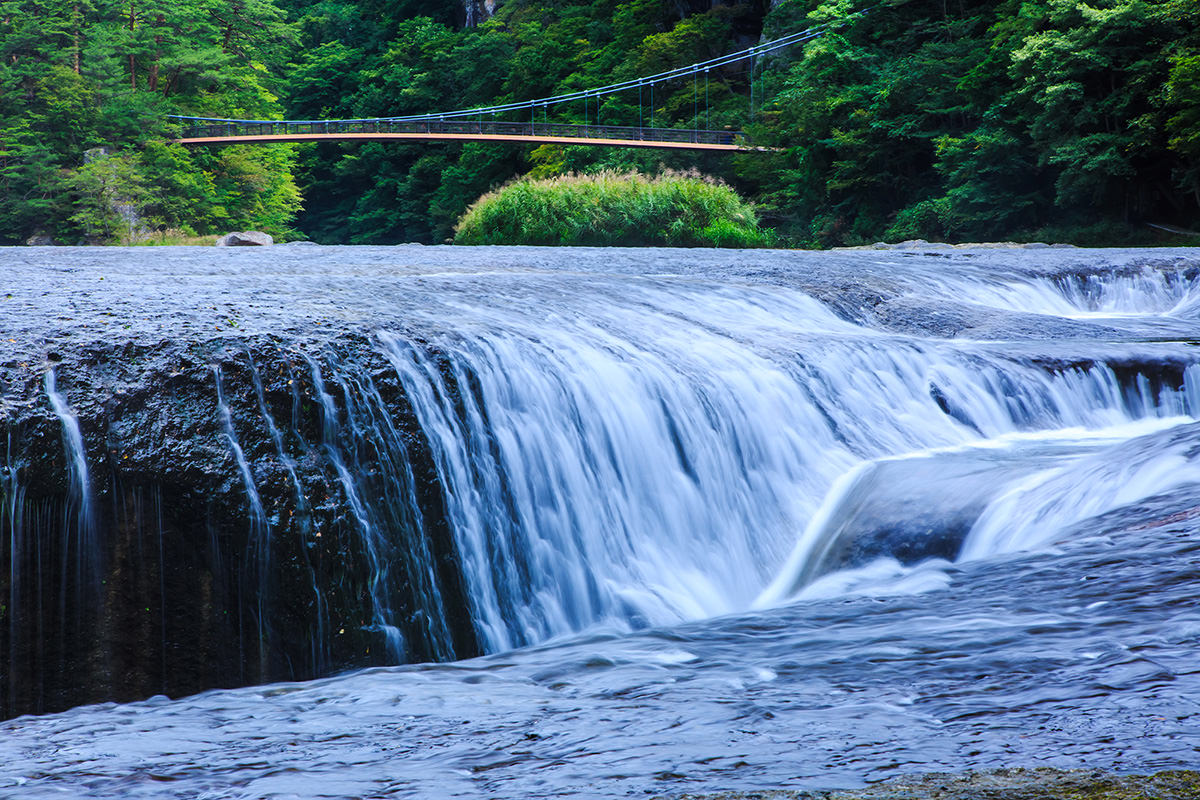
(954, 120)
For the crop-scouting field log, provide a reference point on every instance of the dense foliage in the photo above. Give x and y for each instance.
(985, 119)
(362, 60)
(977, 119)
(608, 208)
(85, 87)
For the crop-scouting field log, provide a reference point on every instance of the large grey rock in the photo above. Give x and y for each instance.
(41, 240)
(245, 239)
(95, 154)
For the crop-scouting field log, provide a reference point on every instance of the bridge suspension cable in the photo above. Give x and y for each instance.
(584, 94)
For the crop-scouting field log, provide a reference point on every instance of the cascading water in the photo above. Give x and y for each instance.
(81, 555)
(740, 519)
(381, 614)
(510, 456)
(1091, 443)
(1142, 292)
(596, 478)
(259, 554)
(653, 458)
(622, 472)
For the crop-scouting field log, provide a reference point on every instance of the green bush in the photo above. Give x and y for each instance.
(608, 208)
(928, 219)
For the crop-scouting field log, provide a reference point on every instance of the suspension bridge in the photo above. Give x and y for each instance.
(488, 123)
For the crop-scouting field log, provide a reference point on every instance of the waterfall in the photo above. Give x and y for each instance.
(516, 455)
(259, 554)
(658, 458)
(603, 471)
(374, 545)
(82, 555)
(1034, 511)
(1113, 293)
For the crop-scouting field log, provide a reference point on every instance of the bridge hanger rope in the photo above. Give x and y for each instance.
(583, 94)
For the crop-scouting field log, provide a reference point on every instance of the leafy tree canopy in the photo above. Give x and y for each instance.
(978, 119)
(85, 90)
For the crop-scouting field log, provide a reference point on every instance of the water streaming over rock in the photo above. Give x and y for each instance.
(653, 461)
(485, 451)
(1145, 291)
(79, 551)
(258, 552)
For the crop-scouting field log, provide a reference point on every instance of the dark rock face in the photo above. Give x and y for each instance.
(194, 587)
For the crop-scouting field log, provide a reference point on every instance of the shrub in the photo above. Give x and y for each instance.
(928, 219)
(609, 208)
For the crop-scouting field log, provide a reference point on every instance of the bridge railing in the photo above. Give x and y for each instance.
(479, 127)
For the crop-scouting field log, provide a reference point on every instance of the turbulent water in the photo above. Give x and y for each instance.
(771, 522)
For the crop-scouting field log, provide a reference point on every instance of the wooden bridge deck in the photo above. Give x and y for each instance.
(460, 130)
(465, 137)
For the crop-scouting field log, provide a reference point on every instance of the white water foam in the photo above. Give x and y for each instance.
(1146, 292)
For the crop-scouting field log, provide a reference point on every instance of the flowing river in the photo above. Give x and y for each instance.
(705, 520)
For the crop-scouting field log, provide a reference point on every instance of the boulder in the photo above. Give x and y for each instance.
(41, 240)
(245, 239)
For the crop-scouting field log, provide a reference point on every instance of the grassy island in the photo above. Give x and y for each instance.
(611, 208)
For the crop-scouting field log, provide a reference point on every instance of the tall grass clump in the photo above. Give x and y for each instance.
(611, 208)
